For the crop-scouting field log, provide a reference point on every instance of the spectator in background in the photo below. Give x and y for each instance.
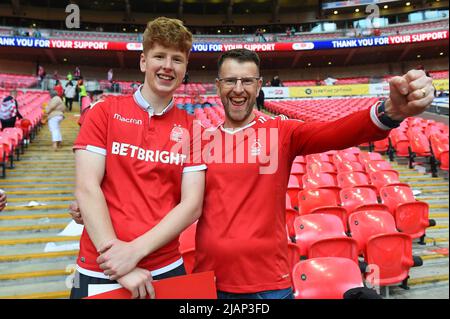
(82, 93)
(9, 110)
(77, 73)
(276, 81)
(55, 114)
(260, 100)
(288, 32)
(55, 75)
(69, 93)
(58, 88)
(3, 200)
(69, 76)
(41, 76)
(110, 75)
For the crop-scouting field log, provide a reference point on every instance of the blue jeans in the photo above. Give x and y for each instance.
(268, 294)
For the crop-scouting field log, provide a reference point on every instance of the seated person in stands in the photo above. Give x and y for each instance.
(9, 110)
(3, 200)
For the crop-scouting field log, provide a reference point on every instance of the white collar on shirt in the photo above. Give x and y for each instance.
(142, 102)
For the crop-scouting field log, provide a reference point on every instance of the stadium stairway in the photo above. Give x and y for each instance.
(47, 177)
(39, 189)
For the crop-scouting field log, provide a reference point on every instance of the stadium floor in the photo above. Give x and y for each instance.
(35, 262)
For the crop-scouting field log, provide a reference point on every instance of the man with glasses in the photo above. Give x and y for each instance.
(241, 234)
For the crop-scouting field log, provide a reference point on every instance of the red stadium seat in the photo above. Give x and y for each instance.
(354, 179)
(365, 157)
(360, 198)
(349, 167)
(325, 278)
(411, 216)
(383, 246)
(318, 180)
(384, 178)
(323, 235)
(377, 165)
(293, 189)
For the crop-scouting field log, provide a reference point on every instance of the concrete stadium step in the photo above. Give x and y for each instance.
(33, 238)
(34, 247)
(31, 215)
(44, 225)
(37, 290)
(21, 199)
(20, 269)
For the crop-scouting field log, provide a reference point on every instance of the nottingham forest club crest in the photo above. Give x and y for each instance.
(176, 134)
(256, 148)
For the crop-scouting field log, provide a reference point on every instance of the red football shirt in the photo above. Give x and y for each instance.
(143, 172)
(241, 234)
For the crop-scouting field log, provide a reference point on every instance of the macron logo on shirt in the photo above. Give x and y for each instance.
(126, 120)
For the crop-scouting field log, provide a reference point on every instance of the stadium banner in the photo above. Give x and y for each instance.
(276, 92)
(222, 47)
(379, 88)
(329, 90)
(441, 85)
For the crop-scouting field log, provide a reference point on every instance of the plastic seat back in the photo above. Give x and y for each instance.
(385, 177)
(365, 224)
(325, 278)
(314, 227)
(318, 180)
(360, 198)
(365, 157)
(373, 166)
(350, 179)
(311, 199)
(392, 254)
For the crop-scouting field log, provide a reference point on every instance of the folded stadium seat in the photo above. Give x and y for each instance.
(384, 247)
(8, 149)
(291, 214)
(384, 178)
(381, 145)
(400, 143)
(325, 278)
(315, 168)
(298, 170)
(381, 165)
(354, 179)
(293, 189)
(344, 157)
(3, 160)
(321, 201)
(355, 199)
(319, 180)
(14, 137)
(323, 235)
(318, 158)
(440, 148)
(300, 159)
(420, 147)
(348, 166)
(17, 133)
(411, 216)
(365, 157)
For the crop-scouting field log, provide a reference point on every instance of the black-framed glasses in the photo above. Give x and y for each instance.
(245, 81)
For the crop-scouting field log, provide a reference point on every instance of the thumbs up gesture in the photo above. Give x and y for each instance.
(410, 94)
